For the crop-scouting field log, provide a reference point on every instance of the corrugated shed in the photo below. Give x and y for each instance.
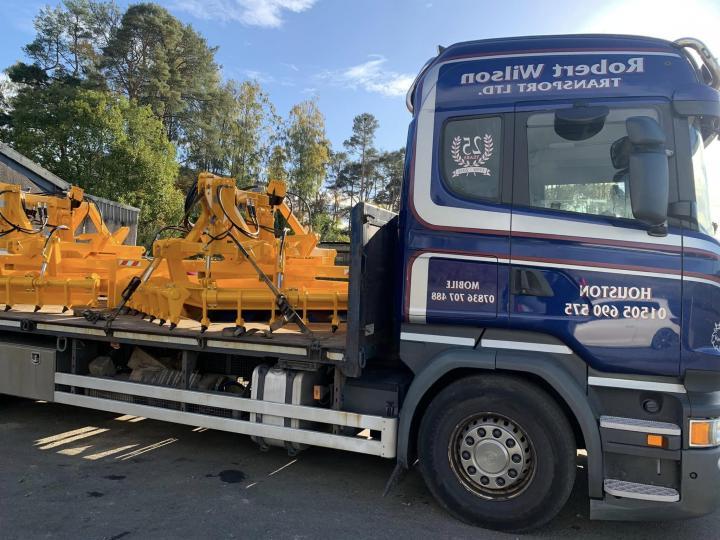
(116, 215)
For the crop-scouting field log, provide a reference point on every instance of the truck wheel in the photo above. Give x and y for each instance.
(498, 452)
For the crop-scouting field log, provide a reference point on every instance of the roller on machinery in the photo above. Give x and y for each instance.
(44, 261)
(246, 254)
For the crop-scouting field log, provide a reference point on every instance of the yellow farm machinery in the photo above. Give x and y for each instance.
(46, 260)
(247, 254)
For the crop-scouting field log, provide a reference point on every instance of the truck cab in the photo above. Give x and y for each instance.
(556, 233)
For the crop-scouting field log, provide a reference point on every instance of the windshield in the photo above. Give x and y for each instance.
(702, 193)
(580, 175)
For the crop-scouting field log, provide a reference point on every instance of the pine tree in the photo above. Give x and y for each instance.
(362, 144)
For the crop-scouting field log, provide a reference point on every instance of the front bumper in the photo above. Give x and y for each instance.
(699, 493)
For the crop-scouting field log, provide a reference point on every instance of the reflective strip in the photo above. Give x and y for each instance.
(244, 346)
(70, 329)
(525, 346)
(337, 356)
(632, 384)
(433, 338)
(155, 338)
(640, 426)
(13, 324)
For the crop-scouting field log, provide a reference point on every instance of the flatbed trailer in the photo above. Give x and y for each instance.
(58, 347)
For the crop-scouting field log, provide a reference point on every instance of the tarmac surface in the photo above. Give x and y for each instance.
(74, 473)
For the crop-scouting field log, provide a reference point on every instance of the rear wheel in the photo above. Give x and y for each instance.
(498, 452)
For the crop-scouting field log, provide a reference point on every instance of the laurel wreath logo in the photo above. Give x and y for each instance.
(715, 338)
(468, 160)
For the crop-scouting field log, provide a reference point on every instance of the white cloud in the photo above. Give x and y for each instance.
(372, 77)
(259, 76)
(265, 13)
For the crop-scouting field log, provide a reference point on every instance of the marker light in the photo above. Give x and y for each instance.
(705, 433)
(656, 440)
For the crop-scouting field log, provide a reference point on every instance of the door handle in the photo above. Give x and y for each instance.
(530, 282)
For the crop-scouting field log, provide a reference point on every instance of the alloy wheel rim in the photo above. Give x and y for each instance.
(492, 456)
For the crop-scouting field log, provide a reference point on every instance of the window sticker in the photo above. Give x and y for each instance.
(471, 157)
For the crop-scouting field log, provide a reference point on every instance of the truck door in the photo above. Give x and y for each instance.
(582, 268)
(457, 233)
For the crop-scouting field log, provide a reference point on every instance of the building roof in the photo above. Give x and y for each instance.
(43, 178)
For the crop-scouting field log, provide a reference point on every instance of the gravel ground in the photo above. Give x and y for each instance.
(73, 473)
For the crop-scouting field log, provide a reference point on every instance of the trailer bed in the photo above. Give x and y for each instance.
(321, 346)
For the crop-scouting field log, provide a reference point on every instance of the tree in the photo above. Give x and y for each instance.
(154, 59)
(252, 129)
(8, 89)
(276, 164)
(206, 139)
(337, 185)
(391, 167)
(308, 150)
(105, 144)
(69, 38)
(233, 133)
(362, 144)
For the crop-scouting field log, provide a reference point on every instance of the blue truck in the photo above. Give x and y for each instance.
(549, 289)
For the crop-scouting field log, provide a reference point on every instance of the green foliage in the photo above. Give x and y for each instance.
(234, 133)
(276, 164)
(330, 231)
(362, 144)
(70, 39)
(308, 150)
(154, 59)
(338, 184)
(391, 167)
(106, 144)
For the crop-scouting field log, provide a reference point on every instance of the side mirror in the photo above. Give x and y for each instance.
(649, 173)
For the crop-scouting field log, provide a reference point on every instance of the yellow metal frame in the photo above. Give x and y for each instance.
(205, 271)
(47, 263)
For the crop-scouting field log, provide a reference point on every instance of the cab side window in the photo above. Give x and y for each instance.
(577, 172)
(471, 157)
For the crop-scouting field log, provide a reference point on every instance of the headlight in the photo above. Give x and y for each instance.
(705, 433)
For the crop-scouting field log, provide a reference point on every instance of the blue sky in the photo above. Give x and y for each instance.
(360, 55)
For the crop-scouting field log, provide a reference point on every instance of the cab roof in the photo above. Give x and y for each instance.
(511, 70)
(570, 42)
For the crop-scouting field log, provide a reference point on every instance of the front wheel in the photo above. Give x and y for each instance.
(498, 452)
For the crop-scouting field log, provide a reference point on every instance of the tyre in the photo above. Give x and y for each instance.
(498, 452)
